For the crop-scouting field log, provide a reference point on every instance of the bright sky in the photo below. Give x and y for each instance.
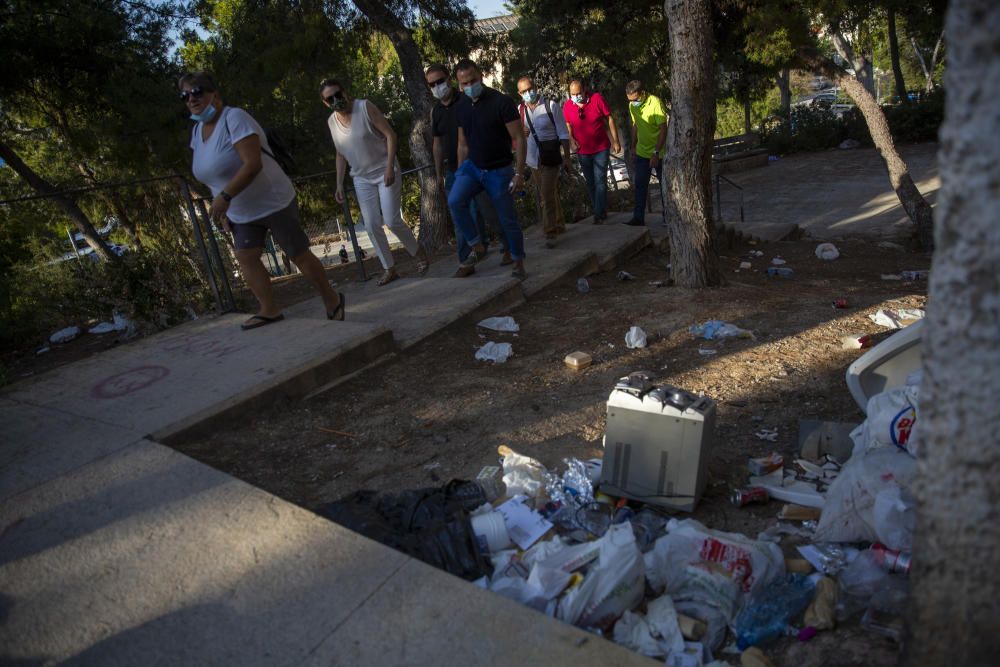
(484, 9)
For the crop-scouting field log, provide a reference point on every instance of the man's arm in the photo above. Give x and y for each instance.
(341, 170)
(520, 149)
(609, 124)
(437, 150)
(661, 139)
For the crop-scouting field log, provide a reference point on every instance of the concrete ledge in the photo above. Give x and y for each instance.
(293, 383)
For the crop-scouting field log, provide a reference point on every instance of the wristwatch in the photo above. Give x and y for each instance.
(226, 196)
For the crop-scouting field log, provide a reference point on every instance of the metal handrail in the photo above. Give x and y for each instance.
(718, 196)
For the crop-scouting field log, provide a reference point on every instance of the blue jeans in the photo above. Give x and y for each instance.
(642, 174)
(470, 180)
(595, 171)
(479, 210)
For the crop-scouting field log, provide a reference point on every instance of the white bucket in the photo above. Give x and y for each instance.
(491, 531)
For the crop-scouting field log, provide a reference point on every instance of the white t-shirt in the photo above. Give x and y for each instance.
(216, 161)
(361, 144)
(543, 127)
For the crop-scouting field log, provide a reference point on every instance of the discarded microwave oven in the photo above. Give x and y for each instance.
(657, 443)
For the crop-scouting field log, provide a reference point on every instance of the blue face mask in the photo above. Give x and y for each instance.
(530, 96)
(577, 98)
(475, 90)
(636, 103)
(205, 116)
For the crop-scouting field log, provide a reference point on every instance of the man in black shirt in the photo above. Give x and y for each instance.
(486, 130)
(444, 123)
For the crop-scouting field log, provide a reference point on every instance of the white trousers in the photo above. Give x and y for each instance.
(381, 206)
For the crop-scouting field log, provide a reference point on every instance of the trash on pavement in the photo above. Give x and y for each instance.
(505, 324)
(64, 335)
(692, 562)
(916, 275)
(490, 478)
(754, 657)
(855, 341)
(892, 421)
(891, 276)
(521, 474)
(573, 488)
(827, 251)
(800, 565)
(578, 360)
(101, 328)
(769, 463)
(848, 144)
(614, 583)
(898, 318)
(524, 525)
(656, 283)
(839, 304)
(891, 560)
(768, 613)
(827, 558)
(746, 265)
(818, 439)
(821, 612)
(767, 434)
(749, 495)
(498, 353)
(885, 612)
(707, 352)
(491, 531)
(582, 285)
(778, 261)
(780, 272)
(786, 487)
(625, 275)
(849, 513)
(792, 512)
(635, 338)
(714, 329)
(657, 633)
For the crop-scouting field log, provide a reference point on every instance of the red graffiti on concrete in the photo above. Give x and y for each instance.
(130, 381)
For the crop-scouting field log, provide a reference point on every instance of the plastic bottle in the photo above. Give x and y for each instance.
(582, 286)
(780, 271)
(767, 615)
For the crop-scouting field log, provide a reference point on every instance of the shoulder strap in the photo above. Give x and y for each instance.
(548, 110)
(531, 126)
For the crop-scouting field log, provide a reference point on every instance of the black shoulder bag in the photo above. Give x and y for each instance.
(550, 150)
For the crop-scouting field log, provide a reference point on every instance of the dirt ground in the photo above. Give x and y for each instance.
(433, 413)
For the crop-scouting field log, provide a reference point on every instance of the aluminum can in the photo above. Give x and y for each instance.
(749, 495)
(891, 560)
(840, 303)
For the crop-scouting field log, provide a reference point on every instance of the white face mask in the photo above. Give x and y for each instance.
(440, 91)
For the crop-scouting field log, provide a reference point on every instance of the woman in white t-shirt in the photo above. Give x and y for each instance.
(252, 195)
(364, 140)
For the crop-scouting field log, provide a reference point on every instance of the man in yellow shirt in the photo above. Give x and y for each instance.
(649, 133)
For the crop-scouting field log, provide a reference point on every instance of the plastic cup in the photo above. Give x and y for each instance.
(491, 532)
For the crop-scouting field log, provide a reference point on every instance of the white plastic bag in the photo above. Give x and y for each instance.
(612, 586)
(849, 513)
(655, 634)
(635, 338)
(827, 251)
(692, 562)
(894, 517)
(65, 335)
(894, 319)
(892, 421)
(506, 324)
(521, 474)
(495, 352)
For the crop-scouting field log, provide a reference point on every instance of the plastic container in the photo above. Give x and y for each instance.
(582, 286)
(767, 615)
(491, 532)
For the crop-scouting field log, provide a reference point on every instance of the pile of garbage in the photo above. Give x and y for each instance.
(670, 587)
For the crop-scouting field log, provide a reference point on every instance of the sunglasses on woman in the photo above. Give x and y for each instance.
(339, 95)
(194, 92)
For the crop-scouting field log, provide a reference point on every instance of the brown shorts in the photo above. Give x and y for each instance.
(285, 228)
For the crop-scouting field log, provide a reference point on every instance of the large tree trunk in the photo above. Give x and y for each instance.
(784, 80)
(897, 71)
(956, 590)
(43, 187)
(687, 173)
(435, 226)
(913, 202)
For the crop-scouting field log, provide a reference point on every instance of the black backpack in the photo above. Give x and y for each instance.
(279, 151)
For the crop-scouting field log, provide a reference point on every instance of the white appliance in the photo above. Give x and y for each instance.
(657, 443)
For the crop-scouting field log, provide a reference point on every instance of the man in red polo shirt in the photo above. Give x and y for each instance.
(592, 130)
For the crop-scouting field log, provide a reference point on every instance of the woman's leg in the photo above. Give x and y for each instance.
(313, 270)
(391, 199)
(258, 280)
(371, 212)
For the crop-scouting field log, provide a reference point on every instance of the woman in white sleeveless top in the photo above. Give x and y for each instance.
(365, 141)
